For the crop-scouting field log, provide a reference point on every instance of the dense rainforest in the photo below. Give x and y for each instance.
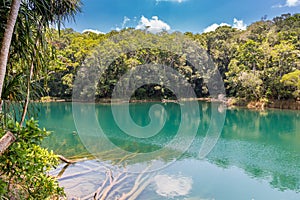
(260, 63)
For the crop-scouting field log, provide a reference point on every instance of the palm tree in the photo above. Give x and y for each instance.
(27, 23)
(6, 41)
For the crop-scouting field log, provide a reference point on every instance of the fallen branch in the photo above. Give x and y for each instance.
(65, 160)
(119, 187)
(100, 189)
(133, 189)
(74, 175)
(140, 189)
(138, 181)
(108, 189)
(63, 170)
(68, 161)
(109, 177)
(126, 157)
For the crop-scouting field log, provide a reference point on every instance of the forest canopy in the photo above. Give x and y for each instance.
(255, 64)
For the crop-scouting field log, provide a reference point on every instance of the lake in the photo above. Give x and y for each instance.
(256, 156)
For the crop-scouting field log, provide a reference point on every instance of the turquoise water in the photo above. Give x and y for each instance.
(257, 155)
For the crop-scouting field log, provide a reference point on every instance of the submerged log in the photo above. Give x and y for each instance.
(6, 141)
(66, 160)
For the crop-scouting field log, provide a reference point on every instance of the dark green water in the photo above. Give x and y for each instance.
(256, 157)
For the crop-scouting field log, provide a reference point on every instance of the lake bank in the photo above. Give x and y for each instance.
(230, 102)
(264, 104)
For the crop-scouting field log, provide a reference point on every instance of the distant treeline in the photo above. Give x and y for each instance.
(262, 62)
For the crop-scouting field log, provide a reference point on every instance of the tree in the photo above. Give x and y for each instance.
(293, 80)
(71, 49)
(31, 23)
(6, 41)
(220, 44)
(262, 54)
(25, 165)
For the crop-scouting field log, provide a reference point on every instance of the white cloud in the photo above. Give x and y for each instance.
(292, 3)
(125, 21)
(173, 186)
(123, 24)
(213, 27)
(288, 3)
(153, 25)
(238, 24)
(93, 31)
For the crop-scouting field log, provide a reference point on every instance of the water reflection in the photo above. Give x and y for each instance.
(172, 186)
(258, 152)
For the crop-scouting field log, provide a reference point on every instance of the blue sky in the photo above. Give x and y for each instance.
(177, 15)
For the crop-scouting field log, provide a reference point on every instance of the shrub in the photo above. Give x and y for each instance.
(24, 165)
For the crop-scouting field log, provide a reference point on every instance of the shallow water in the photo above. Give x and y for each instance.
(257, 155)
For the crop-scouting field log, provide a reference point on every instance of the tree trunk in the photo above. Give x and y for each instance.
(7, 139)
(25, 108)
(28, 86)
(8, 33)
(27, 95)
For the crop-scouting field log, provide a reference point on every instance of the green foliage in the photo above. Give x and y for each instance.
(30, 53)
(71, 49)
(24, 166)
(78, 47)
(220, 44)
(269, 49)
(251, 62)
(292, 80)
